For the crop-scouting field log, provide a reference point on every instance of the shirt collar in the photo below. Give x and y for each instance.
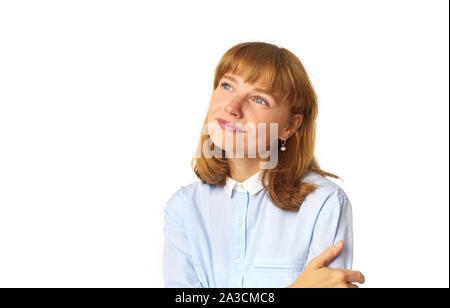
(252, 185)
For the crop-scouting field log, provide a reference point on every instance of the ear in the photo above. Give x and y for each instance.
(294, 124)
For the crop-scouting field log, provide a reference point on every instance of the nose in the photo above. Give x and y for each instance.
(234, 107)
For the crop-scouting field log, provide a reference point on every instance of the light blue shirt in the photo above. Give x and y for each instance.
(235, 237)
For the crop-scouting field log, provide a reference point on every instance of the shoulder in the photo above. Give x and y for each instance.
(196, 188)
(186, 195)
(328, 195)
(188, 202)
(325, 186)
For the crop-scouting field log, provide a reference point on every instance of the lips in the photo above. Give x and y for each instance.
(228, 125)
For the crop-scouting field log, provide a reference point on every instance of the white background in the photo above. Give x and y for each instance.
(101, 105)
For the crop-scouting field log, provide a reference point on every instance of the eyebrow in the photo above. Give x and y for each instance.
(256, 89)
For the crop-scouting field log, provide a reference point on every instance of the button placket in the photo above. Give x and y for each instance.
(239, 239)
(243, 233)
(241, 230)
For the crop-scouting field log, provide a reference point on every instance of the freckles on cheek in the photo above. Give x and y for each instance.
(213, 105)
(212, 111)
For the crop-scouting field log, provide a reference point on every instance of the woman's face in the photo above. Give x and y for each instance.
(244, 106)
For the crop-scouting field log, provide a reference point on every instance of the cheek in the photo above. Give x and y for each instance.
(212, 111)
(214, 106)
(278, 120)
(270, 131)
(266, 133)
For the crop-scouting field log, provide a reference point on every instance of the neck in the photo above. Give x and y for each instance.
(243, 168)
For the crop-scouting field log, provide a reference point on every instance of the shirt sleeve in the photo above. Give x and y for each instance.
(334, 223)
(178, 269)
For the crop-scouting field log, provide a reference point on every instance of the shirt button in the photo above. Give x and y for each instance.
(240, 222)
(241, 186)
(237, 260)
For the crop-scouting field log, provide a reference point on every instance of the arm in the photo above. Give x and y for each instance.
(178, 269)
(317, 275)
(333, 224)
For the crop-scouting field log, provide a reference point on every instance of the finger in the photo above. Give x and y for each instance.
(327, 255)
(353, 276)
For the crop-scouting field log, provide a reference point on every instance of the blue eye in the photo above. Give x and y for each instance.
(261, 100)
(224, 84)
(264, 102)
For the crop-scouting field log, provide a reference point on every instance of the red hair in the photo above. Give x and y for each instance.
(286, 78)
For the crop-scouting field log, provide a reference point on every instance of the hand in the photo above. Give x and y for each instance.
(317, 275)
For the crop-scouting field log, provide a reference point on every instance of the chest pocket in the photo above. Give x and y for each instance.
(273, 274)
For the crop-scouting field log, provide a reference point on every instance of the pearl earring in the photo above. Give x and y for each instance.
(283, 148)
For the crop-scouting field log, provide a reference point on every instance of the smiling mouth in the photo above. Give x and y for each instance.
(229, 126)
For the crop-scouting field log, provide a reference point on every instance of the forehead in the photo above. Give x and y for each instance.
(239, 79)
(258, 85)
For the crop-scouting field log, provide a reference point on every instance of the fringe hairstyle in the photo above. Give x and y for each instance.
(286, 78)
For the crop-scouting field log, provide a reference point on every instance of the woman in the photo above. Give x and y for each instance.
(262, 214)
